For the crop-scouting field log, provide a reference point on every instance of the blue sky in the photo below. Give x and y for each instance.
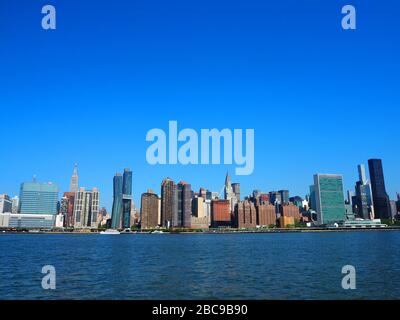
(320, 99)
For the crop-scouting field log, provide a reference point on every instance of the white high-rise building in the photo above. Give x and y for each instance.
(86, 208)
(73, 187)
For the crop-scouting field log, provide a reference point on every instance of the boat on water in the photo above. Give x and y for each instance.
(110, 232)
(158, 232)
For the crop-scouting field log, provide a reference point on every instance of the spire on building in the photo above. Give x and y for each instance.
(73, 187)
(227, 180)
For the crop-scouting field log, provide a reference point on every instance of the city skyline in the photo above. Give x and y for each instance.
(300, 84)
(125, 189)
(175, 153)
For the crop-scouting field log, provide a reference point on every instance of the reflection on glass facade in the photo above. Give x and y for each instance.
(117, 204)
(123, 202)
(379, 194)
(184, 195)
(127, 199)
(38, 198)
(126, 213)
(127, 187)
(329, 198)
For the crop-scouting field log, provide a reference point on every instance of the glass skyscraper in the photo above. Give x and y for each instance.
(284, 196)
(116, 222)
(127, 198)
(329, 198)
(38, 198)
(379, 194)
(123, 202)
(183, 218)
(363, 203)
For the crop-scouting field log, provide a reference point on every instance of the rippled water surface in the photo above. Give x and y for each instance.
(201, 266)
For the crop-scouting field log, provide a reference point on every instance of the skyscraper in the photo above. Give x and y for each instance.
(86, 208)
(229, 194)
(245, 215)
(275, 197)
(362, 210)
(67, 208)
(284, 196)
(266, 214)
(349, 197)
(117, 202)
(149, 210)
(169, 203)
(361, 174)
(73, 187)
(184, 191)
(38, 198)
(5, 204)
(313, 201)
(127, 200)
(329, 198)
(221, 213)
(236, 190)
(198, 207)
(380, 197)
(15, 205)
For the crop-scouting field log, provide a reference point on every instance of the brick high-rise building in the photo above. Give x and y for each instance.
(169, 203)
(264, 197)
(266, 214)
(149, 210)
(67, 208)
(290, 210)
(245, 215)
(221, 213)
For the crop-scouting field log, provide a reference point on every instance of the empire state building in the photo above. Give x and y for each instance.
(73, 187)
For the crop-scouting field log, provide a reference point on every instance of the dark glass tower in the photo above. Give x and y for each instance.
(184, 215)
(284, 196)
(127, 198)
(117, 204)
(379, 195)
(362, 200)
(127, 186)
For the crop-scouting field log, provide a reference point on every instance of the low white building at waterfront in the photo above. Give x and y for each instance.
(27, 221)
